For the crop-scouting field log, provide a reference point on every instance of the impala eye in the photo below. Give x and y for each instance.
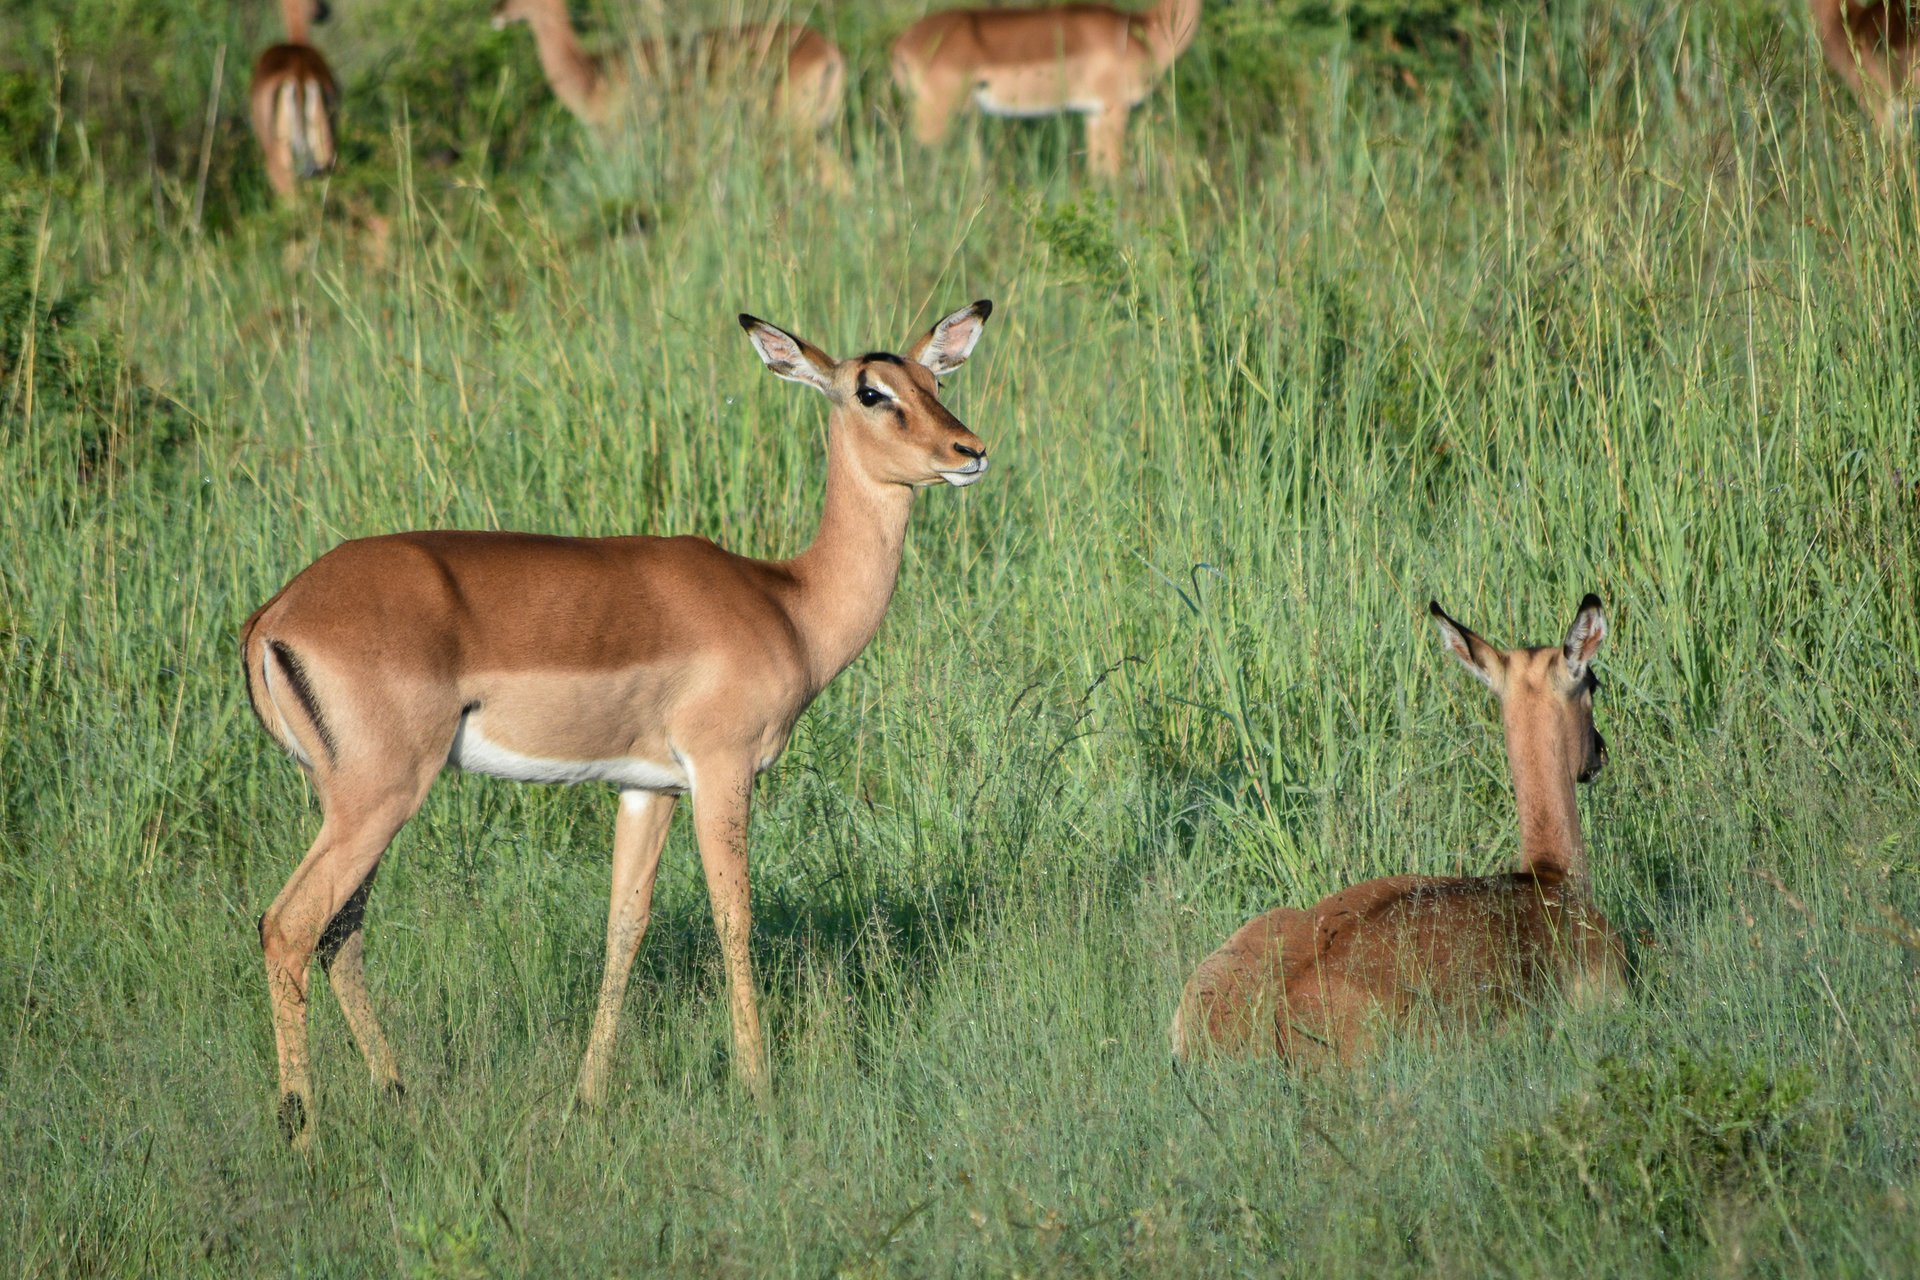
(868, 397)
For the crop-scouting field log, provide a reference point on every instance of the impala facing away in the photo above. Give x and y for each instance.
(1088, 58)
(1875, 49)
(806, 69)
(1308, 984)
(666, 666)
(293, 98)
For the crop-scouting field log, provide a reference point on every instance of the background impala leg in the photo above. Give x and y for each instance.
(721, 808)
(1107, 140)
(934, 107)
(342, 955)
(639, 833)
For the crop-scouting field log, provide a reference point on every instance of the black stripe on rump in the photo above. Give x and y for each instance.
(246, 678)
(303, 690)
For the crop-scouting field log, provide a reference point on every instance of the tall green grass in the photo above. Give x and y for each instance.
(1589, 300)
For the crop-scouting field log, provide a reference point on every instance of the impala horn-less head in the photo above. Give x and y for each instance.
(1557, 681)
(907, 436)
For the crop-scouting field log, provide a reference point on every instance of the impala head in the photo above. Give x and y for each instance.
(1546, 694)
(891, 403)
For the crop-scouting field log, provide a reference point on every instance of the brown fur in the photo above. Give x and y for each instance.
(667, 666)
(1087, 58)
(294, 104)
(1321, 983)
(806, 71)
(1874, 49)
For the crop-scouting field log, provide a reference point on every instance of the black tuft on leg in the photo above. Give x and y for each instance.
(343, 925)
(293, 1116)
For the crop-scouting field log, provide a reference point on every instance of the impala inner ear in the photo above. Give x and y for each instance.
(1584, 636)
(1475, 654)
(794, 359)
(946, 346)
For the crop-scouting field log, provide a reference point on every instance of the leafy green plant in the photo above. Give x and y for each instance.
(1661, 1141)
(62, 374)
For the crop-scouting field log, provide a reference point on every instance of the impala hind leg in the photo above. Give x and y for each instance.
(1237, 997)
(342, 954)
(722, 804)
(639, 833)
(352, 838)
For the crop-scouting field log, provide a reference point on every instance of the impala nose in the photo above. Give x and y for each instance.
(971, 454)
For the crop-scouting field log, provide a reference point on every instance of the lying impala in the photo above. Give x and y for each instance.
(1311, 983)
(666, 666)
(293, 100)
(808, 73)
(1087, 58)
(1874, 48)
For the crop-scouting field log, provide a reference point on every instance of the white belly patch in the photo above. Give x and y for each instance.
(983, 97)
(471, 751)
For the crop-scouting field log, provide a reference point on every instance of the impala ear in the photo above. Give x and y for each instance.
(946, 346)
(1475, 654)
(792, 358)
(1584, 636)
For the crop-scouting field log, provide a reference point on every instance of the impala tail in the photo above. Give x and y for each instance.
(283, 697)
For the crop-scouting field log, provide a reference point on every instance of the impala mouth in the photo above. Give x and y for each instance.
(961, 477)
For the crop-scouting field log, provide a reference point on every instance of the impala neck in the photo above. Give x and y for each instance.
(295, 13)
(575, 77)
(844, 580)
(1543, 782)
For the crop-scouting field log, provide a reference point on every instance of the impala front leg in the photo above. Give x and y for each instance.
(1107, 139)
(639, 833)
(721, 806)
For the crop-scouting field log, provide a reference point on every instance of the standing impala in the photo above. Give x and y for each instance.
(1874, 48)
(807, 73)
(1309, 983)
(1091, 59)
(666, 666)
(293, 100)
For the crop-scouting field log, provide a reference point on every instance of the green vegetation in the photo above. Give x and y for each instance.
(1516, 304)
